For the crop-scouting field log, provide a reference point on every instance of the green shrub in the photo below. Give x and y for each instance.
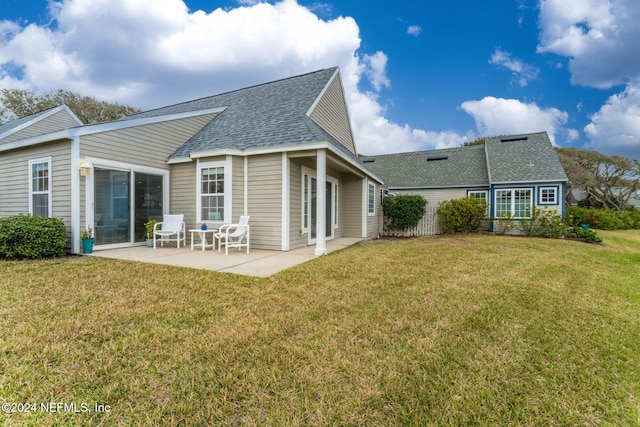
(586, 234)
(504, 223)
(463, 215)
(403, 211)
(604, 219)
(27, 236)
(543, 223)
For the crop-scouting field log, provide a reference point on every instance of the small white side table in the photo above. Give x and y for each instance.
(203, 238)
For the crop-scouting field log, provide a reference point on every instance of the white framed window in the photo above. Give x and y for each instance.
(548, 195)
(214, 192)
(40, 187)
(371, 198)
(478, 194)
(516, 202)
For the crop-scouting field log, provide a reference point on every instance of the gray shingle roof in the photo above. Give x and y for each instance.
(523, 160)
(265, 115)
(463, 167)
(527, 158)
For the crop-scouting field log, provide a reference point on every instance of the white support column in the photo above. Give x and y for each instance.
(285, 202)
(321, 201)
(75, 196)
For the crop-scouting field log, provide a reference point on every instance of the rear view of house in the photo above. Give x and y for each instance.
(514, 174)
(281, 152)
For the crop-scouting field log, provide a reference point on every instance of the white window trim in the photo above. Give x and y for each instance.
(226, 165)
(485, 192)
(132, 168)
(485, 198)
(555, 196)
(371, 191)
(33, 162)
(513, 200)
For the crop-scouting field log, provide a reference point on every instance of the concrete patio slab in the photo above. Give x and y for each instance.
(259, 263)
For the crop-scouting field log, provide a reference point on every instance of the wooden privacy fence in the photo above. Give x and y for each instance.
(428, 225)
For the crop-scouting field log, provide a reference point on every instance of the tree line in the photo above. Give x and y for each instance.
(15, 103)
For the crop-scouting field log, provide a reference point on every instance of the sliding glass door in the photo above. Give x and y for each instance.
(148, 202)
(123, 201)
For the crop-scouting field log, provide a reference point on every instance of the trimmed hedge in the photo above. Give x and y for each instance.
(463, 215)
(35, 237)
(403, 211)
(604, 219)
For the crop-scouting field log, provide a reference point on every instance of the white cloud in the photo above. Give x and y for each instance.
(149, 53)
(600, 38)
(377, 70)
(522, 72)
(616, 126)
(499, 116)
(414, 30)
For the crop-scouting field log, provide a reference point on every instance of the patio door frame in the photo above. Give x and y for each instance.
(332, 220)
(132, 169)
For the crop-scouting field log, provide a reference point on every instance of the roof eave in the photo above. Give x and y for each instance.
(318, 145)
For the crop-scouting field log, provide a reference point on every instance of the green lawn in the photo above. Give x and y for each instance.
(451, 330)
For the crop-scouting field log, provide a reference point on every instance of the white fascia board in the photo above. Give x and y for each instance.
(444, 187)
(104, 127)
(324, 90)
(124, 124)
(537, 181)
(281, 149)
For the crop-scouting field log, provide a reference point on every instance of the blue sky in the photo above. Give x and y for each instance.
(417, 75)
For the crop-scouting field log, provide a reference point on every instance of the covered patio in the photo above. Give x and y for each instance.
(259, 263)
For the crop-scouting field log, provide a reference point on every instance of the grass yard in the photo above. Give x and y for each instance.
(451, 330)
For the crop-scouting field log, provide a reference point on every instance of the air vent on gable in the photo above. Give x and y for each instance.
(514, 138)
(439, 157)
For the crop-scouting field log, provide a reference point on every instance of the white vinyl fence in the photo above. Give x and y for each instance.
(428, 226)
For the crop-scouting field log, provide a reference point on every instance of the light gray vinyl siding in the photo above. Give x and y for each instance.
(183, 192)
(296, 238)
(14, 180)
(331, 114)
(435, 196)
(265, 201)
(351, 206)
(373, 222)
(58, 121)
(238, 188)
(149, 145)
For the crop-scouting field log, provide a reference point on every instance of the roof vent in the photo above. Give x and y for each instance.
(514, 138)
(369, 161)
(439, 157)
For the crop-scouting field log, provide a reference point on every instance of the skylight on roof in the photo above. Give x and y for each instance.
(514, 138)
(438, 157)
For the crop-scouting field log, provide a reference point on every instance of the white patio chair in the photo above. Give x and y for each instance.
(169, 226)
(234, 235)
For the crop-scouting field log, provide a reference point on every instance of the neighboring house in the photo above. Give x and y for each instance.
(579, 194)
(513, 173)
(282, 152)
